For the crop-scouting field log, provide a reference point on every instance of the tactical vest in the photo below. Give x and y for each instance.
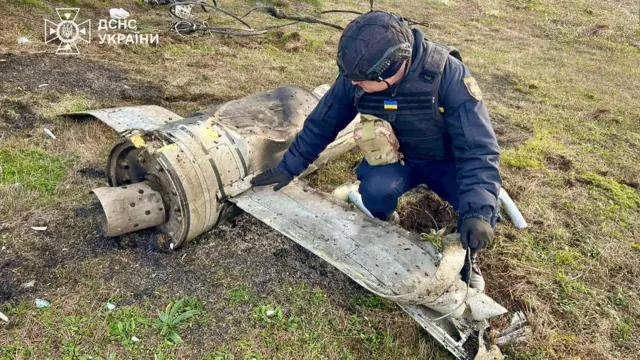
(417, 122)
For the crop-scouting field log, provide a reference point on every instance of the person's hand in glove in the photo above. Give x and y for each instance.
(475, 233)
(272, 176)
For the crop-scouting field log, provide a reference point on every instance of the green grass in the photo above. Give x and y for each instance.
(123, 324)
(218, 354)
(372, 301)
(34, 3)
(572, 268)
(240, 295)
(33, 168)
(620, 194)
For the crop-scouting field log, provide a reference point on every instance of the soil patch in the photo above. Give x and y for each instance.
(93, 173)
(558, 162)
(509, 135)
(65, 74)
(243, 252)
(16, 116)
(425, 212)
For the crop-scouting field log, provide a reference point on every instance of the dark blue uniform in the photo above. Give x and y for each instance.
(469, 179)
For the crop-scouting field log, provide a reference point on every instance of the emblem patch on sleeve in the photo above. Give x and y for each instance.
(472, 87)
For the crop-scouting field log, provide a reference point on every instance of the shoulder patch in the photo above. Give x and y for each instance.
(473, 88)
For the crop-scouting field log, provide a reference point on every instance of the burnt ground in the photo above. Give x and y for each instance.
(72, 256)
(31, 82)
(52, 73)
(243, 251)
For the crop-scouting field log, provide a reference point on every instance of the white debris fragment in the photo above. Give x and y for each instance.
(518, 330)
(28, 284)
(4, 317)
(171, 246)
(42, 85)
(48, 132)
(40, 303)
(511, 209)
(118, 13)
(270, 312)
(39, 228)
(110, 306)
(23, 40)
(135, 339)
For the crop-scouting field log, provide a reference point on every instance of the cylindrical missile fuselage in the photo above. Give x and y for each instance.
(191, 163)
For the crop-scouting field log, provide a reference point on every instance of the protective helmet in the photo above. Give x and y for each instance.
(373, 43)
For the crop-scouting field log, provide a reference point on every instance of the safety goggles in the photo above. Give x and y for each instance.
(375, 72)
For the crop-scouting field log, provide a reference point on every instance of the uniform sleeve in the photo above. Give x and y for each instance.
(332, 114)
(474, 142)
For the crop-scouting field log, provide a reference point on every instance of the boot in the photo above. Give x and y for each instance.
(394, 218)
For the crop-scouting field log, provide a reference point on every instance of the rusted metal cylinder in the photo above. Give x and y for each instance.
(130, 208)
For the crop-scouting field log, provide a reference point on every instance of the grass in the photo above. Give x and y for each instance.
(33, 169)
(560, 77)
(241, 295)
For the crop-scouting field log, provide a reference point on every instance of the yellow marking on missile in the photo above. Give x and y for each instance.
(211, 134)
(166, 148)
(137, 141)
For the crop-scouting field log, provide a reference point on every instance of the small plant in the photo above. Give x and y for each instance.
(175, 317)
(240, 295)
(159, 356)
(253, 356)
(369, 301)
(624, 329)
(123, 324)
(266, 314)
(434, 237)
(618, 298)
(219, 354)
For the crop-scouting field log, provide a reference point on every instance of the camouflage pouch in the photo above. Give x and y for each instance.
(376, 139)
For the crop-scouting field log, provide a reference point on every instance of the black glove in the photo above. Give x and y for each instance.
(475, 233)
(272, 176)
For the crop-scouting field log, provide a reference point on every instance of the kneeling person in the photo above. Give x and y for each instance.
(420, 97)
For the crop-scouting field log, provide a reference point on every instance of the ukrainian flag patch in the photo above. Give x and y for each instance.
(390, 105)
